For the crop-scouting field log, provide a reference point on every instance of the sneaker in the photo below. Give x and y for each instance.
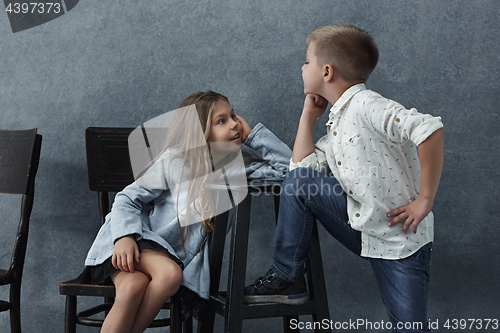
(271, 289)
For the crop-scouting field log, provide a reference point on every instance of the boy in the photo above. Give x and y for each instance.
(377, 200)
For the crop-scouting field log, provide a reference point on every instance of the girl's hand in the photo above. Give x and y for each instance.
(245, 128)
(411, 214)
(126, 250)
(314, 105)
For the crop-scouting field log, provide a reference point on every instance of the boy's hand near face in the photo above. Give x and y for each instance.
(245, 128)
(314, 105)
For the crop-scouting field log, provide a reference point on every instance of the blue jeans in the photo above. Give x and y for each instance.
(308, 195)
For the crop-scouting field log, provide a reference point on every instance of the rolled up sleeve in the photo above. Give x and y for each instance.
(316, 160)
(398, 124)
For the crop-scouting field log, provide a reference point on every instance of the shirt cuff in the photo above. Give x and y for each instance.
(307, 162)
(425, 129)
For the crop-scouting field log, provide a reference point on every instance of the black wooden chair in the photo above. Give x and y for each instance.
(109, 170)
(19, 157)
(229, 303)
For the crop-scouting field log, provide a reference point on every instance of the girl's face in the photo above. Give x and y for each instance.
(225, 126)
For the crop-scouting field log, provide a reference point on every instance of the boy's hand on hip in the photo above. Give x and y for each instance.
(314, 105)
(411, 214)
(124, 253)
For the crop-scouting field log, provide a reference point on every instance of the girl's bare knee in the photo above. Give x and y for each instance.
(132, 288)
(170, 277)
(177, 276)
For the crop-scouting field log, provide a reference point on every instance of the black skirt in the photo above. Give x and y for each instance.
(101, 274)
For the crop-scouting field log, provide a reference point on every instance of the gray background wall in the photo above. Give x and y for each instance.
(122, 62)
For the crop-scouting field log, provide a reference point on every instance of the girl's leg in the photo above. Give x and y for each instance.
(141, 295)
(166, 278)
(130, 288)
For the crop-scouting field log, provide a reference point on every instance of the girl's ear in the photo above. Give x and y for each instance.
(329, 72)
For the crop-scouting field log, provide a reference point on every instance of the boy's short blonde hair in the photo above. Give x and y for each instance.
(350, 50)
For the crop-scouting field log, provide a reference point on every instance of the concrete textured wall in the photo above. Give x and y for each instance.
(123, 62)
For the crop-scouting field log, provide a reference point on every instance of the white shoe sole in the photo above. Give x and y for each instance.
(282, 299)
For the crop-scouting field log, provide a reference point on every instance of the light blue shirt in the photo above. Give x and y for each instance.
(149, 213)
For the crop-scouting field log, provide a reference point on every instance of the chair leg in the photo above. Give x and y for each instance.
(233, 318)
(176, 314)
(188, 325)
(108, 300)
(315, 274)
(15, 311)
(70, 315)
(206, 323)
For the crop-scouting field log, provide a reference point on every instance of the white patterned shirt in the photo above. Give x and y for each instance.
(371, 149)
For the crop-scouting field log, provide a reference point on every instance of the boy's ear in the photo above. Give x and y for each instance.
(329, 73)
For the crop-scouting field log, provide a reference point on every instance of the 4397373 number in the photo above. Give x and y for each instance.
(34, 7)
(463, 324)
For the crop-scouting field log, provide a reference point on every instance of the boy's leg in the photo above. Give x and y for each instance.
(404, 285)
(306, 195)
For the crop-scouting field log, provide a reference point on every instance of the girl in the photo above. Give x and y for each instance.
(154, 238)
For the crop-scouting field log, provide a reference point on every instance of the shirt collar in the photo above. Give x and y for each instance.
(346, 97)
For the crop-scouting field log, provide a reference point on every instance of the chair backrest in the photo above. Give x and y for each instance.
(19, 158)
(16, 167)
(108, 162)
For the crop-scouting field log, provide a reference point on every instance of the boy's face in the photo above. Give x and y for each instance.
(312, 73)
(225, 126)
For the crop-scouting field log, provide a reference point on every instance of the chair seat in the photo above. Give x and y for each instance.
(75, 288)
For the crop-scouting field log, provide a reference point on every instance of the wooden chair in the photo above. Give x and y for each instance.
(229, 303)
(109, 170)
(19, 157)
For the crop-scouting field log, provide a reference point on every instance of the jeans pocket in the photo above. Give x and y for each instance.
(425, 257)
(426, 251)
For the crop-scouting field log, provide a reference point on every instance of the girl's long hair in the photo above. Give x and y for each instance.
(191, 149)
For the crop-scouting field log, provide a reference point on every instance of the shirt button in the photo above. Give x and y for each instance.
(358, 215)
(334, 133)
(350, 192)
(339, 163)
(396, 120)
